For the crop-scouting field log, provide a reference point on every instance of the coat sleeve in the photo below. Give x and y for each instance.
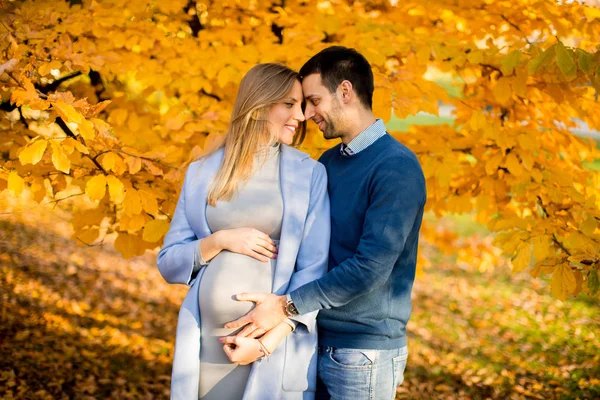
(313, 254)
(176, 258)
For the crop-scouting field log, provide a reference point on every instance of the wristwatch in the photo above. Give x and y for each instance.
(290, 308)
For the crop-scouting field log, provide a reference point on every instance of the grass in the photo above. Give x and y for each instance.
(489, 335)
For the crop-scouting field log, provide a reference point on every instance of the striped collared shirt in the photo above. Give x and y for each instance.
(364, 139)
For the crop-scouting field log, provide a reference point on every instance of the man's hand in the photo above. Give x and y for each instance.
(268, 312)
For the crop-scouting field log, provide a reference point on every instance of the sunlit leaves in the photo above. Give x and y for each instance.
(129, 99)
(116, 189)
(15, 183)
(132, 203)
(32, 154)
(67, 112)
(59, 158)
(155, 230)
(563, 282)
(96, 187)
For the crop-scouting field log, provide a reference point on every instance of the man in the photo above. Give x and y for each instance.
(377, 193)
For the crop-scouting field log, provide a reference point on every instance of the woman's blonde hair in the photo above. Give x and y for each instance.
(248, 132)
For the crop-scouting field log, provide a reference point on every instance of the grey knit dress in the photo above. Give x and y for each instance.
(257, 204)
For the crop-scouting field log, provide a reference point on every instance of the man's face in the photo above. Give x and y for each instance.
(322, 106)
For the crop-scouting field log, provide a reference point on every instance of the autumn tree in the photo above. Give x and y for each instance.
(110, 102)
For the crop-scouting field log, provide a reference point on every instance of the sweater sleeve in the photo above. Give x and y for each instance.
(397, 196)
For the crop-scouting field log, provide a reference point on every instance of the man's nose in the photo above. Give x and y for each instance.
(309, 112)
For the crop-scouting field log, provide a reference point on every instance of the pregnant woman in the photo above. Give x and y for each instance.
(252, 216)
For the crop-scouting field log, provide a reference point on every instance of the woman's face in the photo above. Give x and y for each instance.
(285, 117)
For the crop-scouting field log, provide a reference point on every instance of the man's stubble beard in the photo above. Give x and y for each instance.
(331, 131)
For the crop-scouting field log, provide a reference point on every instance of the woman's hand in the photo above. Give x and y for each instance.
(241, 350)
(248, 241)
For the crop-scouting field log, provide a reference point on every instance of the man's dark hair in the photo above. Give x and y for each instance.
(338, 63)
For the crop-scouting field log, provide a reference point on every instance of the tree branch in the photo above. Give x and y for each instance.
(45, 89)
(516, 27)
(144, 158)
(194, 23)
(559, 244)
(214, 96)
(68, 132)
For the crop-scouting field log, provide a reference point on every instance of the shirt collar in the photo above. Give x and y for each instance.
(364, 139)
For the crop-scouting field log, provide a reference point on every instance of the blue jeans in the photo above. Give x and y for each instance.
(356, 374)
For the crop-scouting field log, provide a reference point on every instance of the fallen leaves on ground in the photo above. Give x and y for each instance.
(82, 322)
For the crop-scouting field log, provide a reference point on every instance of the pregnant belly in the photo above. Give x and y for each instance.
(227, 275)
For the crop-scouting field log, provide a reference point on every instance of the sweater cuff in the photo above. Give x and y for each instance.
(305, 298)
(198, 259)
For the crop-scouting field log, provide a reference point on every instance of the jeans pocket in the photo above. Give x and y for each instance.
(352, 359)
(399, 367)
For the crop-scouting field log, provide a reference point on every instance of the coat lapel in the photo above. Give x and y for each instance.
(295, 188)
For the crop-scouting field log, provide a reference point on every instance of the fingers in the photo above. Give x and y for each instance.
(238, 323)
(230, 340)
(254, 297)
(256, 333)
(229, 351)
(248, 331)
(260, 254)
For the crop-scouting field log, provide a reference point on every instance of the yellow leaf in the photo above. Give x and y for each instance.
(227, 75)
(132, 203)
(155, 230)
(118, 116)
(44, 69)
(492, 164)
(60, 159)
(67, 112)
(589, 225)
(108, 161)
(514, 165)
(33, 153)
(149, 203)
(522, 259)
(87, 236)
(116, 189)
(38, 189)
(104, 129)
(134, 164)
(15, 183)
(129, 245)
(96, 187)
(541, 248)
(502, 91)
(527, 160)
(529, 141)
(132, 223)
(563, 282)
(86, 129)
(72, 143)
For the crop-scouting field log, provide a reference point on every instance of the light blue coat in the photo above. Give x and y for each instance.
(290, 373)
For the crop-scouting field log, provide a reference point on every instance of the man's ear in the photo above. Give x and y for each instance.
(345, 91)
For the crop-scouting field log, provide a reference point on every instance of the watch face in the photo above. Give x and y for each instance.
(291, 308)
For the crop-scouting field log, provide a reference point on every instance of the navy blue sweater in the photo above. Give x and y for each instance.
(377, 198)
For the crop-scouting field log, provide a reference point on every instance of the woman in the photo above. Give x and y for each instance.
(237, 204)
